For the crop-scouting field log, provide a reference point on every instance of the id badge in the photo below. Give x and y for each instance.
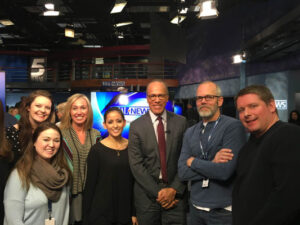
(50, 221)
(205, 183)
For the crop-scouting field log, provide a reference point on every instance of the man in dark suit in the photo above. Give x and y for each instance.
(155, 141)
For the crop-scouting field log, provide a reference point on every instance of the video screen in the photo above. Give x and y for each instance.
(132, 104)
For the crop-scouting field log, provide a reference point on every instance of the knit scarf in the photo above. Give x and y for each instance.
(50, 178)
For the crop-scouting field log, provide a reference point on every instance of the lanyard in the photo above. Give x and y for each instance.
(49, 208)
(204, 154)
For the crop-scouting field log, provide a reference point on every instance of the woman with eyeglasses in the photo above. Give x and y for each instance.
(37, 190)
(78, 138)
(108, 192)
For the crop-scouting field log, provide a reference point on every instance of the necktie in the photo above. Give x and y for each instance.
(162, 148)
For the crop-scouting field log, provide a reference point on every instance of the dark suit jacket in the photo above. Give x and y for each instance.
(145, 161)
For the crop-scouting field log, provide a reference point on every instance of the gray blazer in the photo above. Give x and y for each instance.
(144, 157)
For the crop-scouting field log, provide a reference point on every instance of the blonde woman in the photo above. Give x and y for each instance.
(78, 138)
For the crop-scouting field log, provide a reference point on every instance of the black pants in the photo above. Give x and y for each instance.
(156, 215)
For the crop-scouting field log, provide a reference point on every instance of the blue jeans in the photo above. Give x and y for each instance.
(213, 217)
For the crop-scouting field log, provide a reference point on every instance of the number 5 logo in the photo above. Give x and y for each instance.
(38, 72)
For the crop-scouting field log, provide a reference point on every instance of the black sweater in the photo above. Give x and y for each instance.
(108, 190)
(266, 190)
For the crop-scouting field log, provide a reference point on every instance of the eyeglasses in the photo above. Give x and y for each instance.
(160, 97)
(206, 97)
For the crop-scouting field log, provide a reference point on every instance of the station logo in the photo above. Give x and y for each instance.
(134, 110)
(281, 104)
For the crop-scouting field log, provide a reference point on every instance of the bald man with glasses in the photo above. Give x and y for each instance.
(208, 158)
(155, 141)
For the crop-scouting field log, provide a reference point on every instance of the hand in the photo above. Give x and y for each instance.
(223, 156)
(166, 197)
(189, 161)
(134, 220)
(170, 205)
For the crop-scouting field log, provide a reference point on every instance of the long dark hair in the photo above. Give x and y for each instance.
(5, 151)
(24, 165)
(25, 126)
(291, 120)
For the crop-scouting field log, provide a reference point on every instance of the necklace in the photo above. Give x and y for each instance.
(118, 153)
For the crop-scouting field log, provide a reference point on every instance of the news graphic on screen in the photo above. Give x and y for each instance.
(132, 104)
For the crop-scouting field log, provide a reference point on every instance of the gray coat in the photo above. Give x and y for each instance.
(145, 161)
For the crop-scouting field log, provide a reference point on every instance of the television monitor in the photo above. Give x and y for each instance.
(132, 104)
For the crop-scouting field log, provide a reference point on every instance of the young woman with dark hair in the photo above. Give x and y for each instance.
(35, 109)
(108, 192)
(37, 189)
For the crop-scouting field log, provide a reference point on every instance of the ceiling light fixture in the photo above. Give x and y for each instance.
(51, 13)
(118, 7)
(178, 19)
(120, 35)
(92, 46)
(183, 11)
(49, 6)
(123, 24)
(208, 9)
(163, 9)
(239, 58)
(69, 32)
(6, 22)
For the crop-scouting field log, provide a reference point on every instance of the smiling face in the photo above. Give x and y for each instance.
(47, 144)
(39, 110)
(114, 123)
(208, 109)
(79, 111)
(157, 97)
(256, 116)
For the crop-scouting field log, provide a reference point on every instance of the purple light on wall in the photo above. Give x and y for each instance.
(2, 88)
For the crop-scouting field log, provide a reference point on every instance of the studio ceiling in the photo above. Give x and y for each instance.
(94, 25)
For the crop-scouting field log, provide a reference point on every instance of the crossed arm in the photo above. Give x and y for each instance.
(222, 166)
(222, 156)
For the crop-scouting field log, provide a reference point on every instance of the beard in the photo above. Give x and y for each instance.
(207, 114)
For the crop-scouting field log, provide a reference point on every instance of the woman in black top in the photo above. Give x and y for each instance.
(5, 157)
(108, 192)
